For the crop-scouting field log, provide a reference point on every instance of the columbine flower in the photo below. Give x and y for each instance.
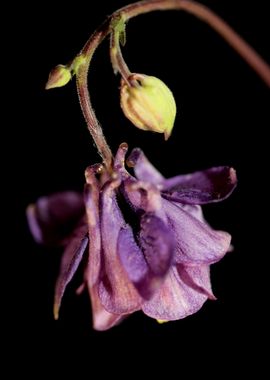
(150, 248)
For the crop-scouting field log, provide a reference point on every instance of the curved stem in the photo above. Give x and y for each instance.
(84, 97)
(208, 16)
(118, 62)
(133, 10)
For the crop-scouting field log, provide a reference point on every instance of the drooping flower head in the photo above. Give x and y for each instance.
(147, 244)
(144, 238)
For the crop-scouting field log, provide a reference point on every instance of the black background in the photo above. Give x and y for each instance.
(223, 116)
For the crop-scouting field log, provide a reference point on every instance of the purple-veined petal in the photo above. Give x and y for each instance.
(196, 242)
(157, 243)
(52, 219)
(174, 300)
(117, 293)
(143, 169)
(102, 319)
(71, 259)
(197, 212)
(134, 262)
(212, 185)
(197, 278)
(194, 210)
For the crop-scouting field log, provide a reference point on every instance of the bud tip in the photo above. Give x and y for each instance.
(58, 77)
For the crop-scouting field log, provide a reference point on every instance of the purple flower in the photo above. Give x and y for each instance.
(150, 248)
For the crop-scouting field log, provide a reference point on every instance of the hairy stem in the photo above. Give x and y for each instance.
(135, 9)
(118, 62)
(84, 97)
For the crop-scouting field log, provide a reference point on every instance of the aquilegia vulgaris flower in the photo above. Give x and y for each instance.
(147, 244)
(143, 238)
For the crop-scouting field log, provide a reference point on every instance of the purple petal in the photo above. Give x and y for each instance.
(91, 199)
(102, 319)
(157, 243)
(196, 242)
(75, 250)
(143, 169)
(212, 185)
(134, 262)
(69, 264)
(53, 218)
(117, 294)
(194, 210)
(146, 273)
(144, 196)
(174, 300)
(197, 278)
(155, 238)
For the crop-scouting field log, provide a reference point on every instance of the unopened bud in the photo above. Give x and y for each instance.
(58, 77)
(148, 103)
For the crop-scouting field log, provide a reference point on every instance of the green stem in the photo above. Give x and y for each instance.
(118, 62)
(133, 10)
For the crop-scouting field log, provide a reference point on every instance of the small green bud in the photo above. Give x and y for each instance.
(148, 103)
(58, 77)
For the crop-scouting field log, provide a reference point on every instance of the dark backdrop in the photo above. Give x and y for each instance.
(223, 116)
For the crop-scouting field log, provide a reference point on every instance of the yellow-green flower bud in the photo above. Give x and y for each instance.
(148, 103)
(58, 77)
